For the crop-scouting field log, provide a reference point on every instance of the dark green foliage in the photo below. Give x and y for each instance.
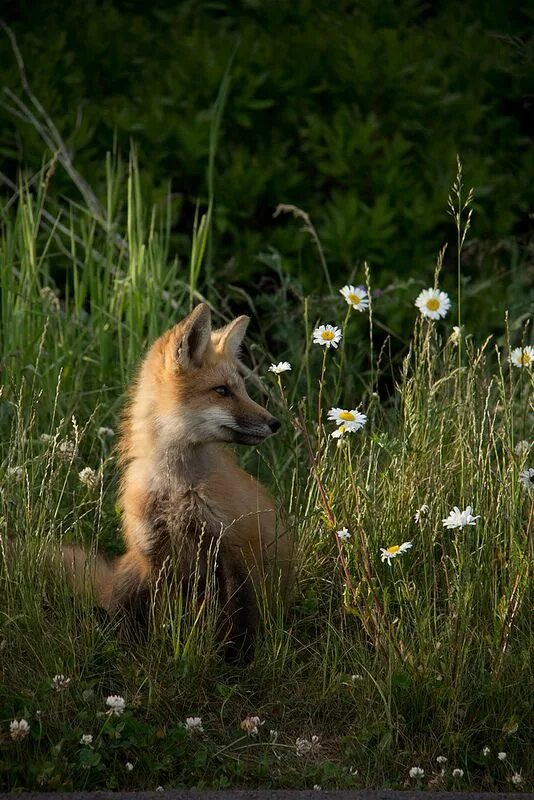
(352, 111)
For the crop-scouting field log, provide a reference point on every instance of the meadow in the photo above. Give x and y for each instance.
(404, 659)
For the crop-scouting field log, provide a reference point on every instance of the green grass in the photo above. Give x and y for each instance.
(390, 666)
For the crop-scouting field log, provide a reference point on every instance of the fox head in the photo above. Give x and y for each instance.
(195, 388)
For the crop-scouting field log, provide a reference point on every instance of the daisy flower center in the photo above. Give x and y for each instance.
(327, 335)
(347, 416)
(525, 359)
(432, 304)
(354, 298)
(393, 549)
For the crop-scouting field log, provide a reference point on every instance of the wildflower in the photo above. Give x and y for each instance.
(347, 421)
(501, 756)
(19, 729)
(160, 789)
(441, 759)
(88, 477)
(454, 338)
(106, 433)
(15, 473)
(67, 450)
(60, 682)
(251, 725)
(282, 366)
(356, 297)
(129, 766)
(486, 751)
(522, 448)
(50, 299)
(327, 336)
(343, 534)
(273, 736)
(316, 787)
(305, 747)
(387, 553)
(417, 772)
(433, 304)
(420, 513)
(459, 519)
(522, 356)
(46, 438)
(87, 739)
(194, 725)
(116, 705)
(527, 478)
(516, 778)
(457, 773)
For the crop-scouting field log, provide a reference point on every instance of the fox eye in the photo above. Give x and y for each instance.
(224, 391)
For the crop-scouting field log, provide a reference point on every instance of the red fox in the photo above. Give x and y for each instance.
(182, 493)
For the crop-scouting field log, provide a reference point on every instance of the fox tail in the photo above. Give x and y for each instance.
(89, 575)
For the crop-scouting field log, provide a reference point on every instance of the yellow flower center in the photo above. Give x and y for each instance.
(393, 549)
(347, 416)
(327, 335)
(524, 359)
(432, 304)
(354, 299)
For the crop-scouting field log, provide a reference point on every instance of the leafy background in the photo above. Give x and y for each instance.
(353, 111)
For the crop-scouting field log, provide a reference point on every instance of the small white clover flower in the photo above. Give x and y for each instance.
(88, 477)
(160, 789)
(421, 512)
(459, 519)
(417, 772)
(60, 682)
(327, 336)
(356, 297)
(106, 433)
(129, 766)
(87, 739)
(67, 450)
(194, 725)
(273, 736)
(387, 553)
(19, 729)
(343, 534)
(501, 756)
(457, 773)
(305, 747)
(454, 338)
(516, 778)
(15, 473)
(116, 705)
(282, 366)
(433, 304)
(251, 725)
(46, 438)
(522, 356)
(316, 787)
(527, 479)
(441, 760)
(486, 751)
(522, 448)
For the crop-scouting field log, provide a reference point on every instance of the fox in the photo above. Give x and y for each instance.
(183, 496)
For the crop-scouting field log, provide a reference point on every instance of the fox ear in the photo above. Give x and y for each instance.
(194, 337)
(230, 338)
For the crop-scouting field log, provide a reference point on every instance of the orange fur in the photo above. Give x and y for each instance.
(182, 490)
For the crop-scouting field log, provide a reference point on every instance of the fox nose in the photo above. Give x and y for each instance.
(274, 424)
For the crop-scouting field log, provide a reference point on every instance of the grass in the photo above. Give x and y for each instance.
(390, 666)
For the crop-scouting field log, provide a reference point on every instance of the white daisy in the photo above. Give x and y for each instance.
(19, 729)
(87, 739)
(282, 366)
(417, 772)
(387, 553)
(116, 704)
(527, 478)
(194, 725)
(251, 725)
(347, 421)
(421, 512)
(327, 335)
(433, 304)
(343, 534)
(522, 356)
(356, 297)
(457, 773)
(459, 519)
